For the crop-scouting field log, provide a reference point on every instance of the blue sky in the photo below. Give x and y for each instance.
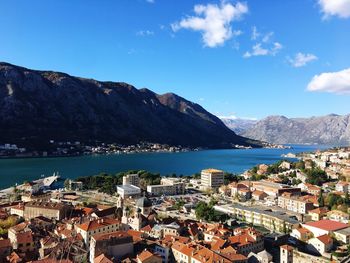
(248, 58)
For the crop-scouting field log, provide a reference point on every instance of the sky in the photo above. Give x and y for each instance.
(247, 59)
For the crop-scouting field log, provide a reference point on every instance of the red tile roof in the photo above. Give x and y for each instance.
(325, 239)
(98, 223)
(328, 225)
(102, 259)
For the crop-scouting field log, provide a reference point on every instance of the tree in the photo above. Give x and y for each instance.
(66, 184)
(320, 199)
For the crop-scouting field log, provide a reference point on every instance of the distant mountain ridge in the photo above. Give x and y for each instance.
(238, 125)
(331, 129)
(37, 106)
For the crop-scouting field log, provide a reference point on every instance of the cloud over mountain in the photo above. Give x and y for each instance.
(213, 21)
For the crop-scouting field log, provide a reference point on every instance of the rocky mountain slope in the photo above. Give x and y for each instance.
(331, 129)
(37, 106)
(238, 125)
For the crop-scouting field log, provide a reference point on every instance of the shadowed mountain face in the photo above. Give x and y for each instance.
(37, 106)
(331, 129)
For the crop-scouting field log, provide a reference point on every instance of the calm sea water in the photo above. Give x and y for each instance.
(18, 170)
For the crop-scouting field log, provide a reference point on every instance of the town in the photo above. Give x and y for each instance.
(290, 211)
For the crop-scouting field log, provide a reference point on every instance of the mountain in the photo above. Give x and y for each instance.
(331, 129)
(238, 125)
(38, 106)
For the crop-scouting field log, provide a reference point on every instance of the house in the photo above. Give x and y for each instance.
(324, 227)
(248, 240)
(258, 195)
(97, 226)
(318, 213)
(116, 244)
(301, 233)
(342, 187)
(320, 244)
(339, 216)
(285, 165)
(286, 254)
(148, 257)
(343, 235)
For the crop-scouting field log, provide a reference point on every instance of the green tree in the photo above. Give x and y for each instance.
(321, 199)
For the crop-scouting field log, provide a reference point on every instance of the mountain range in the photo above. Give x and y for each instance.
(38, 106)
(331, 129)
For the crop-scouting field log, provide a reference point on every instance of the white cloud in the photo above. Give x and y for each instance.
(213, 21)
(340, 8)
(300, 59)
(267, 37)
(145, 33)
(332, 82)
(255, 33)
(259, 50)
(150, 1)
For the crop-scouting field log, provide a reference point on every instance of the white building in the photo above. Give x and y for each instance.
(128, 190)
(131, 179)
(212, 179)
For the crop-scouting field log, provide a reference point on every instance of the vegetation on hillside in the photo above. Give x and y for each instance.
(107, 183)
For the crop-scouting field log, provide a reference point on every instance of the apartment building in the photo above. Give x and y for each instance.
(166, 189)
(211, 179)
(131, 179)
(128, 190)
(297, 204)
(277, 221)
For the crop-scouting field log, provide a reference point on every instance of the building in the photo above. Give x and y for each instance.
(246, 241)
(148, 257)
(128, 191)
(166, 189)
(131, 179)
(274, 189)
(301, 233)
(277, 221)
(338, 215)
(297, 204)
(211, 179)
(343, 235)
(324, 227)
(97, 226)
(50, 210)
(286, 254)
(342, 187)
(318, 213)
(320, 244)
(117, 245)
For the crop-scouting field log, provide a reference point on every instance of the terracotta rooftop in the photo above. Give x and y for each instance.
(5, 243)
(98, 223)
(328, 225)
(25, 237)
(319, 210)
(144, 255)
(102, 259)
(286, 247)
(116, 235)
(325, 239)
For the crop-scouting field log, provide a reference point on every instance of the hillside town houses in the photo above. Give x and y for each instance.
(291, 211)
